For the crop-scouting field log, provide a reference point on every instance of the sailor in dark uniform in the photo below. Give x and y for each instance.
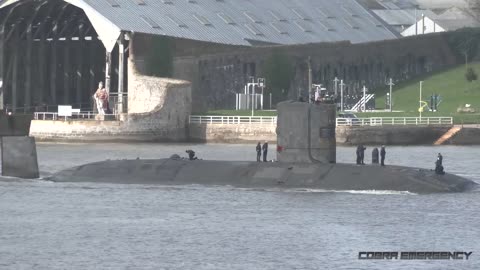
(259, 151)
(265, 151)
(382, 155)
(191, 155)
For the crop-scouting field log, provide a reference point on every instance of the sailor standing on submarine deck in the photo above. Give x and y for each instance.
(259, 151)
(265, 151)
(382, 155)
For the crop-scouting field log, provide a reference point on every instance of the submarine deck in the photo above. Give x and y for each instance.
(265, 175)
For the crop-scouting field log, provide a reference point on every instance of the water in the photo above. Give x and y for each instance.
(46, 225)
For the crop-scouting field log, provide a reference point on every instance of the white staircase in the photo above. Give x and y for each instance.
(362, 101)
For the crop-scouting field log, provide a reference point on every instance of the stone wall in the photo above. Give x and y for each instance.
(466, 136)
(398, 135)
(242, 133)
(395, 135)
(158, 110)
(111, 131)
(218, 72)
(141, 129)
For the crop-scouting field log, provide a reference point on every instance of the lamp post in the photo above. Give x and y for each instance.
(260, 82)
(253, 96)
(364, 98)
(420, 109)
(309, 63)
(341, 95)
(391, 84)
(336, 85)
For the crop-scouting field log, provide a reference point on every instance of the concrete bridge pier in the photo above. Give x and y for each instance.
(19, 152)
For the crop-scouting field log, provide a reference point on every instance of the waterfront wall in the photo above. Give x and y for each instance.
(395, 135)
(158, 110)
(388, 135)
(242, 133)
(466, 136)
(148, 130)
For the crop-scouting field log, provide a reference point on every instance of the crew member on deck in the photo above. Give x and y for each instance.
(265, 151)
(259, 151)
(191, 155)
(375, 155)
(382, 155)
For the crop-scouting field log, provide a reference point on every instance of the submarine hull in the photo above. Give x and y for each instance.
(265, 175)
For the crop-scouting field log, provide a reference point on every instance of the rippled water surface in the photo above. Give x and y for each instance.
(46, 225)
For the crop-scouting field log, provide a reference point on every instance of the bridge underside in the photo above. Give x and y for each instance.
(50, 54)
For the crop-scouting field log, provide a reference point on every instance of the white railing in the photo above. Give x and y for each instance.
(394, 121)
(372, 121)
(200, 119)
(75, 116)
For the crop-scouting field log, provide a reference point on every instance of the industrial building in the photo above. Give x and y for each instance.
(55, 52)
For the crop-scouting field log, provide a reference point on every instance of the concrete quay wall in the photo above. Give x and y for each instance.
(466, 136)
(148, 130)
(390, 135)
(152, 129)
(159, 110)
(225, 133)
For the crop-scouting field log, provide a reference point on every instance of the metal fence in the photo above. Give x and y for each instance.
(394, 121)
(372, 121)
(200, 119)
(75, 116)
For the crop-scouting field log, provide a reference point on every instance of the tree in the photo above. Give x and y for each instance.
(471, 75)
(278, 72)
(464, 43)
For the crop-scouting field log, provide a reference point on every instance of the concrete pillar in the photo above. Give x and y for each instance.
(108, 70)
(310, 82)
(121, 72)
(41, 71)
(53, 71)
(19, 157)
(28, 69)
(2, 64)
(91, 68)
(66, 71)
(80, 68)
(16, 52)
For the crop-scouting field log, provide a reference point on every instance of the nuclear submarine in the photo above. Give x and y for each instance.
(306, 159)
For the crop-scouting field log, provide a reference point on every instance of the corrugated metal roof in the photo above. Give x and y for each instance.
(239, 21)
(402, 17)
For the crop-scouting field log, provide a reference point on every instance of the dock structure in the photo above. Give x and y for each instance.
(18, 150)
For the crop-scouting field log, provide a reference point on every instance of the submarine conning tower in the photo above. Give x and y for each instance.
(306, 132)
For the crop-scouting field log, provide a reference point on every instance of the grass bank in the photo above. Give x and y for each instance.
(454, 90)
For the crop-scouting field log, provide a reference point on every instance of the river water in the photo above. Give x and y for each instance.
(45, 225)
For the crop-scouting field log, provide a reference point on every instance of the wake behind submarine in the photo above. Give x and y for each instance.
(306, 155)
